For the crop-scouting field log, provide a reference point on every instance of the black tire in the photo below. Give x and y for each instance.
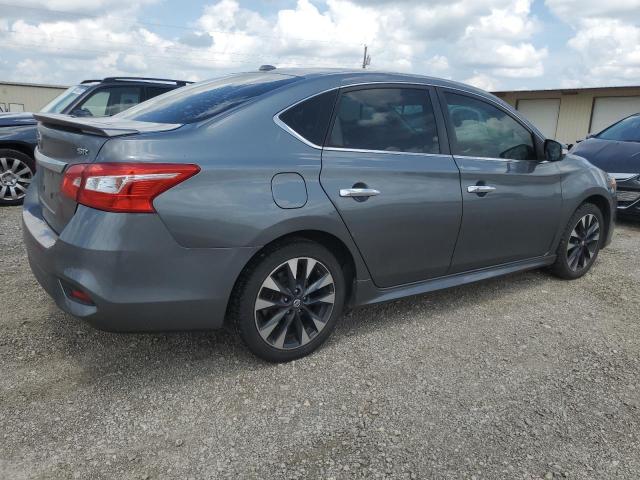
(565, 265)
(15, 185)
(243, 308)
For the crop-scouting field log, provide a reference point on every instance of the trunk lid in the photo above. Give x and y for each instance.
(65, 141)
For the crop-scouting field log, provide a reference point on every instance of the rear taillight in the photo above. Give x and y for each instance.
(123, 187)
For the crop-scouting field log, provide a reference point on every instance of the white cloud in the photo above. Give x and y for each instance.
(514, 61)
(483, 81)
(82, 6)
(572, 10)
(28, 66)
(606, 37)
(493, 43)
(437, 65)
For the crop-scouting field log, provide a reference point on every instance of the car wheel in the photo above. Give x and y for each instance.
(16, 173)
(288, 300)
(580, 243)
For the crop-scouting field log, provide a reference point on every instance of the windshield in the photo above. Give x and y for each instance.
(626, 130)
(62, 101)
(206, 99)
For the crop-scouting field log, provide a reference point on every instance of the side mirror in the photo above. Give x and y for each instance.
(80, 112)
(553, 150)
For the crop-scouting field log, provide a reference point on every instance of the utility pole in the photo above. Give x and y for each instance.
(366, 59)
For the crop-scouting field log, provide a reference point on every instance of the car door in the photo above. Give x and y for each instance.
(387, 170)
(511, 196)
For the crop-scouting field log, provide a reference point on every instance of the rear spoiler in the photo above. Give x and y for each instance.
(102, 126)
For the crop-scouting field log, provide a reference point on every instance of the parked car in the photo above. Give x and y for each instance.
(275, 199)
(92, 98)
(616, 150)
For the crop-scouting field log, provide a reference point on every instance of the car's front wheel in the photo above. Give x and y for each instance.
(288, 300)
(16, 173)
(580, 243)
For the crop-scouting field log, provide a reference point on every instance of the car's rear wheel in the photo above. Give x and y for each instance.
(288, 300)
(16, 173)
(580, 243)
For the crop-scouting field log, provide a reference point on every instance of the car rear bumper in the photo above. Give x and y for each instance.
(137, 276)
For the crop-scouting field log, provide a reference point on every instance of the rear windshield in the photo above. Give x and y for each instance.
(627, 130)
(62, 101)
(205, 99)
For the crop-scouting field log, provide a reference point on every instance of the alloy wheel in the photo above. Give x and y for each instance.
(294, 303)
(15, 177)
(583, 242)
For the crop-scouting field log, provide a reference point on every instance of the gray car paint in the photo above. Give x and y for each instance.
(147, 271)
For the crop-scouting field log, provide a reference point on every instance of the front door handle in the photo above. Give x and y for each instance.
(480, 189)
(359, 192)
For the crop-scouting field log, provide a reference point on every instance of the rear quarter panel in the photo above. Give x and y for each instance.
(230, 204)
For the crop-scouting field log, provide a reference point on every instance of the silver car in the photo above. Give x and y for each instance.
(273, 200)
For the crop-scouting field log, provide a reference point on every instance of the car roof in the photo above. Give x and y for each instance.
(329, 78)
(350, 76)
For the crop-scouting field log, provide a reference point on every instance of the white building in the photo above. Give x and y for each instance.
(26, 97)
(570, 114)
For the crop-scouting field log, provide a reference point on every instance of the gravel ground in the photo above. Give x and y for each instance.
(523, 377)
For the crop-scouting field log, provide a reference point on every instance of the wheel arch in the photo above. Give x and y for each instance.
(605, 207)
(328, 240)
(19, 147)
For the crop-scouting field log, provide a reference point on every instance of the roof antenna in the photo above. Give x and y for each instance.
(366, 59)
(266, 68)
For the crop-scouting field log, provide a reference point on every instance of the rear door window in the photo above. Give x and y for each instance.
(108, 101)
(482, 130)
(385, 119)
(155, 91)
(204, 100)
(310, 119)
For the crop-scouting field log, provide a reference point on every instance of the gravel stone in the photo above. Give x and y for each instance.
(523, 377)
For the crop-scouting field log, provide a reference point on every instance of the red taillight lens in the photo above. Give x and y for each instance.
(72, 180)
(123, 187)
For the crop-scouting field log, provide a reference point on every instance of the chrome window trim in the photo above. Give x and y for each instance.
(364, 150)
(499, 159)
(291, 131)
(278, 121)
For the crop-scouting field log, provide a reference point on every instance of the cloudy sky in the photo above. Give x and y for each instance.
(494, 44)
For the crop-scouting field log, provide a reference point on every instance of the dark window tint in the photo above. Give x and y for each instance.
(204, 100)
(155, 91)
(482, 130)
(310, 119)
(108, 101)
(387, 119)
(627, 130)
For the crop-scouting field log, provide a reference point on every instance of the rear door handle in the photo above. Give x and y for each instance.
(359, 192)
(480, 189)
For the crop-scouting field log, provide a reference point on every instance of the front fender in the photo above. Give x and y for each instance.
(581, 181)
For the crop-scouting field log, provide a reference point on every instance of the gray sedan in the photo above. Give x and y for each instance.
(276, 199)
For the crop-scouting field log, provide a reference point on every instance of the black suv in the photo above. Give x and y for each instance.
(92, 98)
